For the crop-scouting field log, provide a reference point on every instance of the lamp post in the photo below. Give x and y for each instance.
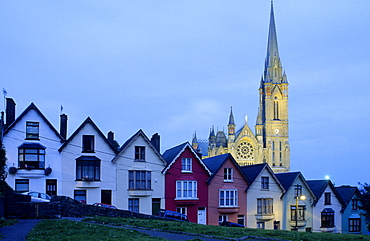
(298, 195)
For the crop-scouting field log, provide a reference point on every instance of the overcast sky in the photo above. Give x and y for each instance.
(176, 67)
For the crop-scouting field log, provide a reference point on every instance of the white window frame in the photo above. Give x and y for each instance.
(228, 197)
(265, 206)
(186, 164)
(186, 189)
(183, 210)
(265, 183)
(228, 174)
(222, 218)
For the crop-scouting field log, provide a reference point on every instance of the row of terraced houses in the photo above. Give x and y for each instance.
(90, 167)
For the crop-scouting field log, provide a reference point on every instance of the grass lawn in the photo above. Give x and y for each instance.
(53, 229)
(229, 232)
(7, 222)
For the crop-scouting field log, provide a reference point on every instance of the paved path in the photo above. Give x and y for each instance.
(18, 231)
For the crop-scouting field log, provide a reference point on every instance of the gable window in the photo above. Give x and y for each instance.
(327, 198)
(186, 189)
(265, 183)
(327, 218)
(354, 225)
(22, 185)
(354, 204)
(88, 143)
(32, 130)
(265, 206)
(140, 153)
(31, 156)
(300, 213)
(80, 195)
(228, 198)
(228, 174)
(133, 205)
(88, 168)
(139, 180)
(186, 164)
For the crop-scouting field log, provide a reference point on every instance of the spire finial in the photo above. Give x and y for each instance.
(231, 117)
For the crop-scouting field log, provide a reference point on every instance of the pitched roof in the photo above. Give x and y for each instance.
(318, 187)
(132, 139)
(347, 192)
(32, 106)
(252, 172)
(171, 155)
(287, 178)
(88, 121)
(215, 163)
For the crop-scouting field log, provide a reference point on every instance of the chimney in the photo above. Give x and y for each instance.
(111, 137)
(10, 111)
(63, 125)
(156, 141)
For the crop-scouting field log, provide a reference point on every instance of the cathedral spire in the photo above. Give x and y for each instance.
(272, 47)
(231, 118)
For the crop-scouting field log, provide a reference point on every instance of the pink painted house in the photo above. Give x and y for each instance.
(226, 191)
(186, 188)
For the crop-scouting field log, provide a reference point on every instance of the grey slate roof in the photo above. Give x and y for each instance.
(170, 154)
(252, 171)
(287, 179)
(318, 187)
(346, 193)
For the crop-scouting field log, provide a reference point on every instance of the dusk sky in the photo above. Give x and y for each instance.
(176, 67)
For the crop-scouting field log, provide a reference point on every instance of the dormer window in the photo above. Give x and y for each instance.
(32, 130)
(140, 153)
(88, 143)
(186, 165)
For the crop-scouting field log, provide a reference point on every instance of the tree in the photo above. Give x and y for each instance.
(3, 173)
(365, 199)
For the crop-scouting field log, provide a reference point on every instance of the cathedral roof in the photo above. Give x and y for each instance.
(221, 139)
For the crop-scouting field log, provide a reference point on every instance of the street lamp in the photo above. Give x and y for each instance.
(298, 195)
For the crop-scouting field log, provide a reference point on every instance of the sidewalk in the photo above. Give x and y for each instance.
(18, 231)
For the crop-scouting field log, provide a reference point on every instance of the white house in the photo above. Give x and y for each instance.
(87, 172)
(264, 206)
(327, 211)
(297, 202)
(140, 182)
(31, 144)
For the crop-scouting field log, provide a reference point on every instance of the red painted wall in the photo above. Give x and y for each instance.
(199, 174)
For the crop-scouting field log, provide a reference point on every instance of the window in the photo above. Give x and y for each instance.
(228, 198)
(261, 225)
(51, 187)
(222, 218)
(140, 153)
(182, 210)
(327, 218)
(32, 130)
(354, 225)
(139, 180)
(186, 189)
(228, 174)
(88, 168)
(133, 205)
(265, 206)
(276, 110)
(22, 185)
(298, 190)
(31, 156)
(88, 143)
(241, 220)
(354, 204)
(300, 213)
(265, 183)
(80, 195)
(186, 164)
(327, 198)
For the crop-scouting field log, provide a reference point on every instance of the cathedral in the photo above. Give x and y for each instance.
(269, 143)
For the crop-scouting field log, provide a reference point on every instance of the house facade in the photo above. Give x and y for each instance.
(327, 207)
(31, 144)
(186, 183)
(264, 206)
(297, 202)
(87, 172)
(139, 178)
(227, 199)
(353, 218)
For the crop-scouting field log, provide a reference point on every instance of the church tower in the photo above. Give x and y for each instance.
(272, 120)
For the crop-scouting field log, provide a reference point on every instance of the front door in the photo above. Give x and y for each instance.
(51, 187)
(156, 205)
(202, 215)
(106, 196)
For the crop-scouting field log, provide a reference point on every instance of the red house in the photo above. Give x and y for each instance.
(227, 191)
(186, 188)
